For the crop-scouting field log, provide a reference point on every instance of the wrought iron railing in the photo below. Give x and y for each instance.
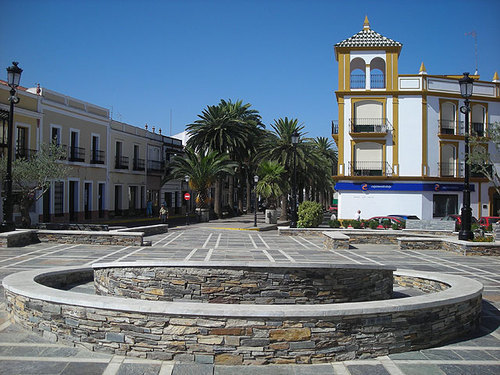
(25, 153)
(377, 81)
(369, 125)
(358, 81)
(448, 169)
(155, 166)
(138, 164)
(121, 162)
(370, 168)
(97, 157)
(335, 128)
(76, 154)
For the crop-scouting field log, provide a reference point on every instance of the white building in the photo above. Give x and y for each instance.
(400, 137)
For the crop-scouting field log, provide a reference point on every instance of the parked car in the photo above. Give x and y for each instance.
(394, 220)
(458, 220)
(486, 221)
(333, 208)
(406, 217)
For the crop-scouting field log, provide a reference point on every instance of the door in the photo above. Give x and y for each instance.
(118, 200)
(88, 200)
(73, 200)
(46, 206)
(101, 200)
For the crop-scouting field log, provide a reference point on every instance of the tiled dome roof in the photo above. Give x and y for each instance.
(368, 38)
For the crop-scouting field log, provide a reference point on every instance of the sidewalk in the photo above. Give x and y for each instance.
(243, 222)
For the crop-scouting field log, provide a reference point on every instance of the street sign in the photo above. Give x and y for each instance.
(187, 196)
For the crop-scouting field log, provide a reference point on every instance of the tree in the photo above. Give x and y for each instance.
(31, 176)
(482, 161)
(203, 169)
(271, 184)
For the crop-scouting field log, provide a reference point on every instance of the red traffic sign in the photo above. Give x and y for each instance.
(187, 196)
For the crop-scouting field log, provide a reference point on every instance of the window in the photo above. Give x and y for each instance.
(368, 117)
(478, 120)
(55, 135)
(58, 198)
(377, 75)
(444, 204)
(368, 159)
(448, 161)
(358, 73)
(22, 149)
(448, 118)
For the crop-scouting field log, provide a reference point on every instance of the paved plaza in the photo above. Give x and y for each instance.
(22, 352)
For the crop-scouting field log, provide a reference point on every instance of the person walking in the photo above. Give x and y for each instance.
(358, 215)
(149, 208)
(164, 213)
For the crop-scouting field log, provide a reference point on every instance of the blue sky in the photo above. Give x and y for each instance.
(145, 59)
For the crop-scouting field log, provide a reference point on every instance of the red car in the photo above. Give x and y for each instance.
(486, 221)
(458, 220)
(392, 219)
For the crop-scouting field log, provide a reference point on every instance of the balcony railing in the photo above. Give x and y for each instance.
(97, 157)
(358, 81)
(121, 162)
(25, 153)
(76, 154)
(138, 164)
(377, 81)
(478, 129)
(370, 168)
(449, 127)
(369, 125)
(448, 170)
(155, 166)
(335, 128)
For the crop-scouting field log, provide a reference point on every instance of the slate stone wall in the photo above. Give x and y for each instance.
(246, 284)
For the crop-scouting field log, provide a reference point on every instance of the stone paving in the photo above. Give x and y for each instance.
(22, 352)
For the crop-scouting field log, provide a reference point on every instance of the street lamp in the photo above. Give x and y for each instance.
(13, 79)
(466, 91)
(255, 180)
(186, 178)
(295, 141)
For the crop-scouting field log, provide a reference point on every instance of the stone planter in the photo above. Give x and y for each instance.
(271, 216)
(203, 214)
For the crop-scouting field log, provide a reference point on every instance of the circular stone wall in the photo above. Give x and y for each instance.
(247, 284)
(244, 334)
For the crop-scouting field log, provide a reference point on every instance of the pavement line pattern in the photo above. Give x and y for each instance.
(390, 366)
(271, 259)
(54, 359)
(107, 255)
(166, 368)
(287, 256)
(5, 324)
(345, 256)
(209, 255)
(163, 239)
(191, 254)
(114, 365)
(207, 241)
(253, 242)
(32, 252)
(340, 369)
(39, 256)
(312, 243)
(218, 240)
(363, 257)
(425, 257)
(300, 243)
(173, 239)
(264, 242)
(132, 253)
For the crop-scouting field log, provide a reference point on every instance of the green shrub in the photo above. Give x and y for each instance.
(386, 223)
(334, 224)
(356, 224)
(483, 239)
(310, 214)
(395, 226)
(373, 224)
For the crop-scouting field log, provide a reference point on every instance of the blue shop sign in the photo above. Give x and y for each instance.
(398, 186)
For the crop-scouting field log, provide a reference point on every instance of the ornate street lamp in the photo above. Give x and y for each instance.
(186, 178)
(255, 180)
(13, 79)
(295, 141)
(465, 233)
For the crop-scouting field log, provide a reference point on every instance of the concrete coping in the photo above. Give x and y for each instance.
(450, 240)
(461, 289)
(145, 227)
(90, 233)
(17, 232)
(336, 235)
(431, 239)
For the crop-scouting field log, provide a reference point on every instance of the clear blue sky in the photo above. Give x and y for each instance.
(146, 58)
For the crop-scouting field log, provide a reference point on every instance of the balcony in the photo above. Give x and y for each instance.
(450, 170)
(478, 129)
(369, 125)
(377, 81)
(25, 153)
(97, 157)
(155, 166)
(358, 81)
(76, 154)
(138, 164)
(370, 168)
(121, 162)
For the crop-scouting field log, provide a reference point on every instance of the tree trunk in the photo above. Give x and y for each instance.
(217, 201)
(249, 195)
(25, 206)
(284, 207)
(231, 195)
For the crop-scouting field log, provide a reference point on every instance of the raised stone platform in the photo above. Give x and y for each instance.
(244, 333)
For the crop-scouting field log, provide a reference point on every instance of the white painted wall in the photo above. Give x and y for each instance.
(410, 136)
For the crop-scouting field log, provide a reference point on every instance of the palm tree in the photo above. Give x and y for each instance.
(279, 147)
(271, 184)
(203, 169)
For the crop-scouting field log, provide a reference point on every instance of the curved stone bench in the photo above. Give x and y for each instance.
(248, 334)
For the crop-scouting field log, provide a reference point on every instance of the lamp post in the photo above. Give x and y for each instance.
(465, 233)
(13, 79)
(255, 205)
(186, 178)
(295, 141)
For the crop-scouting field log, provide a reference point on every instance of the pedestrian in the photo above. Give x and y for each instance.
(358, 215)
(164, 213)
(333, 217)
(149, 208)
